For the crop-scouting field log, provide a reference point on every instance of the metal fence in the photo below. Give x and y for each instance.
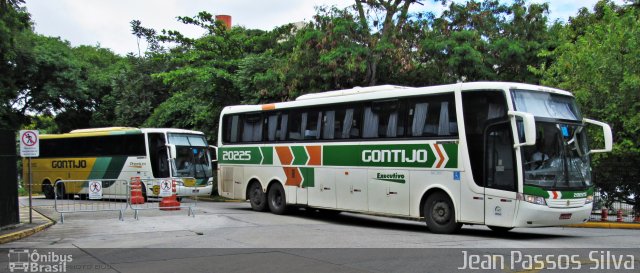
(158, 196)
(98, 195)
(92, 196)
(616, 212)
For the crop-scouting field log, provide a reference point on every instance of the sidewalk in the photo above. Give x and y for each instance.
(614, 225)
(24, 228)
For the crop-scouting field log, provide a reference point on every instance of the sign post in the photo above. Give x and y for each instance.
(30, 147)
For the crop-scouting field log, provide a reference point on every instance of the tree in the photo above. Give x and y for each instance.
(602, 68)
(383, 36)
(487, 40)
(14, 22)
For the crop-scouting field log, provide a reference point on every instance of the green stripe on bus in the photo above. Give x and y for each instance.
(308, 177)
(391, 155)
(300, 156)
(240, 155)
(267, 154)
(115, 167)
(101, 164)
(452, 152)
(537, 191)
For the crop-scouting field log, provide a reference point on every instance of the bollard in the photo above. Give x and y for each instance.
(619, 216)
(136, 191)
(604, 215)
(170, 202)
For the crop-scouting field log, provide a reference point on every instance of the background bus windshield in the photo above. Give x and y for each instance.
(192, 159)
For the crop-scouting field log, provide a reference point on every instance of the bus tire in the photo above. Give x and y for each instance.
(143, 188)
(257, 197)
(59, 190)
(47, 190)
(276, 199)
(500, 229)
(440, 215)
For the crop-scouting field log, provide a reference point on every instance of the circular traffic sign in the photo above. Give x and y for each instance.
(95, 187)
(29, 138)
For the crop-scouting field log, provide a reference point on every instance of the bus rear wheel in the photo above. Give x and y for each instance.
(440, 214)
(47, 190)
(276, 199)
(257, 197)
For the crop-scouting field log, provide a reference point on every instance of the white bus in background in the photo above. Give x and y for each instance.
(121, 153)
(499, 154)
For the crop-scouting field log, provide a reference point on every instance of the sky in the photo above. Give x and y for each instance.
(107, 22)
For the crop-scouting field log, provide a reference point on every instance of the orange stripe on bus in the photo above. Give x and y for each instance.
(315, 155)
(294, 177)
(440, 155)
(284, 154)
(267, 107)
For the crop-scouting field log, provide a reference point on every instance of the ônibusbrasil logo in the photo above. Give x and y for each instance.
(31, 261)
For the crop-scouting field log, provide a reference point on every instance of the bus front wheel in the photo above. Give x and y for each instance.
(257, 197)
(60, 192)
(276, 199)
(440, 214)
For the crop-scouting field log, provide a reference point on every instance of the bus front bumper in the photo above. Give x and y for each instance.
(532, 215)
(194, 191)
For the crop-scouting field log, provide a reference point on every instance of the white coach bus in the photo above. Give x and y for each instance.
(499, 154)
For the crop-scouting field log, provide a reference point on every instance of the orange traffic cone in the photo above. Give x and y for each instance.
(136, 191)
(170, 202)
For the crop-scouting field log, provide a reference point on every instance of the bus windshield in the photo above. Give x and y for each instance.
(559, 160)
(546, 105)
(192, 157)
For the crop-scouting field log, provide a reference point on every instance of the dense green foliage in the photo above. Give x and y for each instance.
(184, 82)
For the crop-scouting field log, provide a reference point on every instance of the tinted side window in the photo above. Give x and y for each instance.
(433, 116)
(230, 128)
(122, 145)
(252, 127)
(383, 119)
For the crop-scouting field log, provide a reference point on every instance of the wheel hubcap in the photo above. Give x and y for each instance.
(440, 212)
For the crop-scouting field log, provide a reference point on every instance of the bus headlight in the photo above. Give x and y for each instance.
(538, 200)
(589, 199)
(180, 183)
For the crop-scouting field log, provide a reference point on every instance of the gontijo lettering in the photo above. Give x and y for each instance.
(419, 156)
(68, 164)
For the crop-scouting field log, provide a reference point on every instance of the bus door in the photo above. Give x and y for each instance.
(500, 175)
(490, 144)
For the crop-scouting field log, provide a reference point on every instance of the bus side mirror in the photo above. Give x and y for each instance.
(213, 152)
(172, 151)
(608, 136)
(529, 124)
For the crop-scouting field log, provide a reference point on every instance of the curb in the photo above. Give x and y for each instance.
(27, 232)
(611, 225)
(225, 200)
